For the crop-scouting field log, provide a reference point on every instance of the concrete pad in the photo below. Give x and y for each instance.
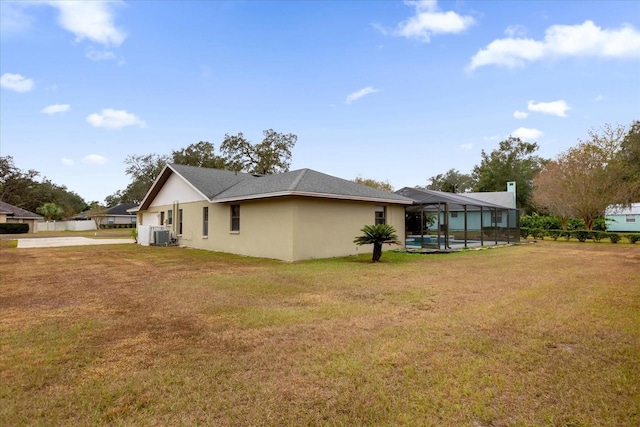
(51, 242)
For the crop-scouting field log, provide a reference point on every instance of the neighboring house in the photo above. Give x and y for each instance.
(621, 219)
(120, 215)
(289, 216)
(10, 213)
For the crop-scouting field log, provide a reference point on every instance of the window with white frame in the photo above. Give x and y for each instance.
(180, 221)
(381, 215)
(205, 221)
(235, 218)
(170, 217)
(630, 218)
(496, 217)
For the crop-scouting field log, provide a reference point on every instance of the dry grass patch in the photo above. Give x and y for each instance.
(541, 334)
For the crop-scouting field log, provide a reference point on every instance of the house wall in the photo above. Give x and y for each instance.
(119, 219)
(289, 229)
(618, 223)
(324, 228)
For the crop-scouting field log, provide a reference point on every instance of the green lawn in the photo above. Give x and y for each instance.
(528, 335)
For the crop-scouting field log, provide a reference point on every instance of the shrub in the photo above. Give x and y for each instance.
(615, 238)
(582, 235)
(14, 228)
(597, 235)
(538, 233)
(633, 238)
(524, 232)
(554, 234)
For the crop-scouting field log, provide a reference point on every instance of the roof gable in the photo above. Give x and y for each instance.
(16, 212)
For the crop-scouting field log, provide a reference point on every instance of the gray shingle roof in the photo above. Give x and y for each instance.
(307, 182)
(455, 200)
(16, 212)
(224, 186)
(121, 209)
(210, 182)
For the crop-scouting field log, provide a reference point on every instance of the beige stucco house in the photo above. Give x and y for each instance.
(14, 214)
(290, 216)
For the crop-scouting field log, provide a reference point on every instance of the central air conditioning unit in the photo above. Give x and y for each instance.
(161, 237)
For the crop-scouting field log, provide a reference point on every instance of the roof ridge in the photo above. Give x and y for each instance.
(296, 181)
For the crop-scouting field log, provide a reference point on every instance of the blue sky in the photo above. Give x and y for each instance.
(390, 90)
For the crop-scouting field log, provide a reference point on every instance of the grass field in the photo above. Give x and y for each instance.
(529, 335)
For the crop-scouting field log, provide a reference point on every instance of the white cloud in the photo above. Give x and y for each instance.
(520, 114)
(92, 20)
(16, 82)
(100, 55)
(67, 162)
(599, 98)
(584, 40)
(359, 94)
(95, 159)
(491, 138)
(526, 134)
(555, 108)
(56, 108)
(114, 119)
(466, 147)
(427, 21)
(515, 31)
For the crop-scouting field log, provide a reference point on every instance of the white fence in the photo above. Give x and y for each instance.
(66, 225)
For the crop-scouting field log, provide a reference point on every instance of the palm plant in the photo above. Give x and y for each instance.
(377, 235)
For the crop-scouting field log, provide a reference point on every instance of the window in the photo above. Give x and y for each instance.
(630, 218)
(180, 221)
(454, 214)
(235, 217)
(381, 215)
(162, 218)
(111, 220)
(205, 221)
(496, 217)
(170, 217)
(133, 220)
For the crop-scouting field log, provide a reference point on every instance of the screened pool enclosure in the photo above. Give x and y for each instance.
(440, 221)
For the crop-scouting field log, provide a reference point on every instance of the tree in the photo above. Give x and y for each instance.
(143, 170)
(20, 188)
(15, 184)
(550, 195)
(50, 211)
(272, 155)
(514, 160)
(452, 182)
(380, 185)
(201, 154)
(97, 214)
(377, 235)
(629, 159)
(584, 180)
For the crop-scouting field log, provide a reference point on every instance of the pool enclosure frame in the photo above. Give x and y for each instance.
(440, 221)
